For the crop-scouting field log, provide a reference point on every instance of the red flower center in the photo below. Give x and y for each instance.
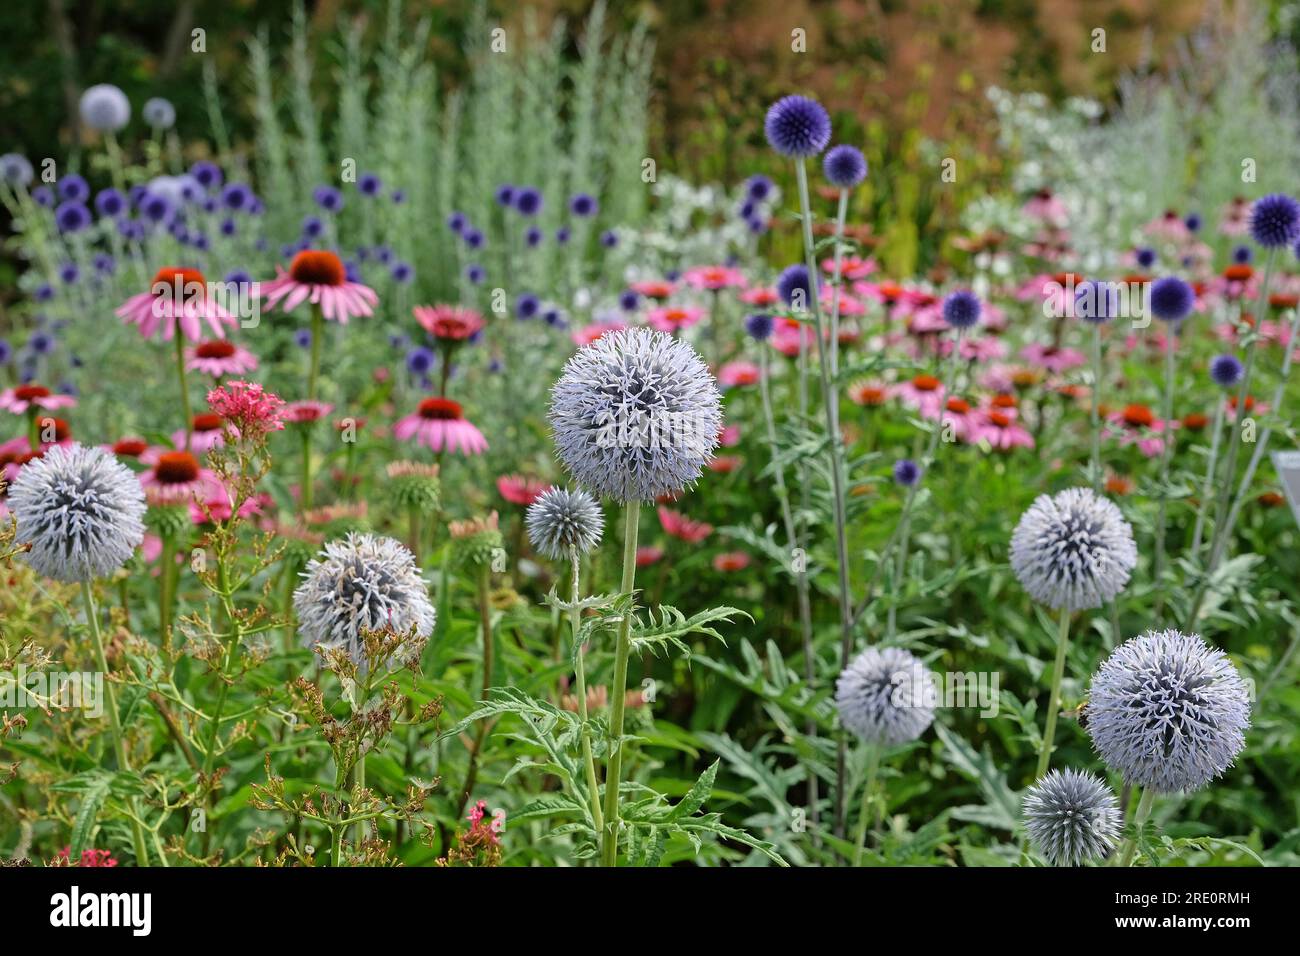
(1195, 421)
(440, 408)
(216, 349)
(318, 267)
(25, 393)
(1002, 400)
(960, 406)
(1280, 300)
(207, 422)
(1138, 416)
(1238, 272)
(131, 447)
(170, 275)
(1001, 419)
(62, 430)
(176, 468)
(925, 383)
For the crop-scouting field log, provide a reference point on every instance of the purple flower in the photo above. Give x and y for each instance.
(844, 166)
(72, 216)
(797, 126)
(1171, 299)
(961, 309)
(1275, 221)
(368, 184)
(906, 472)
(583, 205)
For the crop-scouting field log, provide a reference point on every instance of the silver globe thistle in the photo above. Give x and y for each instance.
(16, 170)
(1072, 817)
(1073, 550)
(885, 696)
(1168, 711)
(562, 522)
(636, 415)
(159, 113)
(105, 108)
(361, 583)
(81, 511)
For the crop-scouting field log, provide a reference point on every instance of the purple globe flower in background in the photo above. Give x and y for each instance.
(793, 286)
(105, 108)
(43, 196)
(1243, 255)
(1146, 257)
(237, 196)
(505, 195)
(758, 188)
(562, 235)
(16, 170)
(71, 216)
(609, 239)
(456, 222)
(368, 184)
(528, 201)
(532, 237)
(1171, 299)
(628, 300)
(797, 126)
(844, 166)
(583, 205)
(1095, 302)
(473, 238)
(206, 174)
(302, 338)
(906, 472)
(74, 188)
(759, 326)
(1226, 370)
(961, 309)
(1193, 222)
(328, 198)
(527, 306)
(110, 202)
(1275, 221)
(474, 273)
(419, 360)
(402, 272)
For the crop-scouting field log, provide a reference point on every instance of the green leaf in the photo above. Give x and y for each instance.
(92, 799)
(672, 625)
(695, 798)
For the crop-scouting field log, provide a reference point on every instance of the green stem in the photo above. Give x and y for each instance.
(305, 495)
(114, 723)
(1054, 701)
(1166, 452)
(840, 215)
(580, 675)
(167, 591)
(317, 333)
(1096, 407)
(1139, 821)
(1208, 490)
(184, 384)
(873, 767)
(618, 691)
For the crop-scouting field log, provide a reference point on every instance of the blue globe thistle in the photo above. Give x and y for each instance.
(237, 196)
(759, 326)
(504, 195)
(16, 170)
(238, 277)
(1146, 257)
(361, 583)
(369, 185)
(398, 196)
(797, 126)
(1193, 222)
(758, 188)
(844, 166)
(1072, 817)
(228, 226)
(105, 108)
(1243, 255)
(104, 264)
(473, 238)
(528, 201)
(793, 286)
(635, 415)
(72, 216)
(156, 207)
(383, 254)
(474, 273)
(419, 360)
(609, 239)
(747, 209)
(1073, 550)
(69, 273)
(302, 338)
(206, 174)
(74, 188)
(885, 696)
(562, 235)
(906, 472)
(961, 309)
(81, 511)
(527, 306)
(1096, 302)
(1167, 711)
(328, 198)
(583, 205)
(1171, 299)
(1275, 221)
(41, 343)
(564, 524)
(6, 351)
(159, 113)
(756, 226)
(1226, 370)
(456, 222)
(402, 272)
(110, 202)
(43, 292)
(312, 227)
(532, 237)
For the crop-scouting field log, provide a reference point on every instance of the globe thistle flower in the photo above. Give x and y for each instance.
(906, 472)
(844, 166)
(527, 306)
(584, 205)
(758, 188)
(528, 201)
(1275, 221)
(72, 216)
(884, 696)
(110, 202)
(1095, 302)
(562, 523)
(1168, 711)
(1171, 299)
(1226, 370)
(636, 415)
(362, 583)
(475, 540)
(16, 170)
(80, 509)
(1072, 817)
(961, 309)
(104, 108)
(759, 326)
(159, 113)
(413, 485)
(797, 126)
(609, 239)
(794, 287)
(1073, 550)
(369, 184)
(1145, 257)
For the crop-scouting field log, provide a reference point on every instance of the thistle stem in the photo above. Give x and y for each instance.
(305, 493)
(873, 768)
(1216, 440)
(1096, 408)
(1166, 452)
(184, 385)
(1139, 821)
(580, 676)
(618, 691)
(317, 333)
(1054, 701)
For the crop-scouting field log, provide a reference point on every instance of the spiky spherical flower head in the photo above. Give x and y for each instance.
(413, 485)
(759, 326)
(636, 415)
(105, 108)
(1072, 817)
(1275, 221)
(81, 511)
(961, 309)
(885, 696)
(361, 583)
(797, 126)
(1171, 299)
(794, 287)
(159, 113)
(1073, 550)
(1168, 711)
(844, 166)
(562, 523)
(906, 472)
(1226, 370)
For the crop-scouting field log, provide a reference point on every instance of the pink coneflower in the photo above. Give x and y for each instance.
(761, 296)
(790, 336)
(738, 373)
(654, 289)
(1138, 425)
(318, 276)
(648, 555)
(306, 412)
(178, 478)
(729, 436)
(675, 318)
(128, 447)
(1234, 218)
(714, 278)
(1052, 358)
(922, 392)
(1168, 226)
(869, 394)
(966, 421)
(982, 349)
(219, 358)
(1002, 430)
(725, 464)
(206, 433)
(520, 490)
(23, 398)
(1045, 207)
(730, 561)
(177, 297)
(439, 424)
(590, 333)
(218, 507)
(852, 268)
(448, 323)
(686, 529)
(252, 410)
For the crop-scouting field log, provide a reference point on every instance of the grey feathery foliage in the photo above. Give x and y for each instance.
(80, 509)
(1072, 817)
(636, 415)
(1168, 711)
(361, 583)
(562, 522)
(884, 696)
(1073, 550)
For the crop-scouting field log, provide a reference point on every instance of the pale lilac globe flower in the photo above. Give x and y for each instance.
(885, 696)
(563, 523)
(105, 108)
(1072, 817)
